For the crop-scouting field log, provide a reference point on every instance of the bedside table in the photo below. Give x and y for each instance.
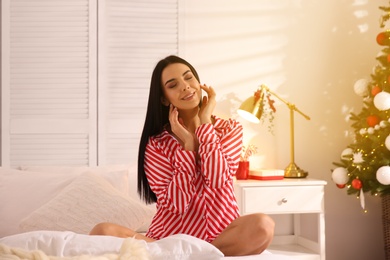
(295, 197)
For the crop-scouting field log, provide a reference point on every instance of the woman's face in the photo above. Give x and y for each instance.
(180, 87)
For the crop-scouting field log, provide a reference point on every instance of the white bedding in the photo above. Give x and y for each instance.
(49, 209)
(70, 245)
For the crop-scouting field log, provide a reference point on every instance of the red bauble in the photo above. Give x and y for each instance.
(375, 90)
(372, 120)
(380, 37)
(357, 184)
(383, 38)
(340, 186)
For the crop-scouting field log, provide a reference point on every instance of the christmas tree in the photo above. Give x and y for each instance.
(365, 164)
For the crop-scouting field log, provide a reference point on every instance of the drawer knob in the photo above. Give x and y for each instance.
(284, 200)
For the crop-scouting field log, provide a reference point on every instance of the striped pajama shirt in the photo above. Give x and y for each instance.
(194, 192)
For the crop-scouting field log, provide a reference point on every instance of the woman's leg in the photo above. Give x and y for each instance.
(110, 229)
(246, 235)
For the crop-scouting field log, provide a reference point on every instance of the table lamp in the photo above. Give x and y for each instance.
(252, 110)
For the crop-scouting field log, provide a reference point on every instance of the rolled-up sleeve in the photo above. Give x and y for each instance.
(219, 150)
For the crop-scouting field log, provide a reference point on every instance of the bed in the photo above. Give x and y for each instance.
(46, 212)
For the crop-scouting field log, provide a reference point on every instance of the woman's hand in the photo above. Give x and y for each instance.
(186, 138)
(208, 104)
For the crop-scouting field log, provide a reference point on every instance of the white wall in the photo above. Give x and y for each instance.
(311, 53)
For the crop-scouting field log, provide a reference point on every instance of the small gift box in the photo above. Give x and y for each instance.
(266, 174)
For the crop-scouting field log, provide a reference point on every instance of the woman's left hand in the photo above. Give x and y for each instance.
(208, 104)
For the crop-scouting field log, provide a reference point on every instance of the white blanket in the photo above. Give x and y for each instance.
(131, 249)
(66, 245)
(69, 245)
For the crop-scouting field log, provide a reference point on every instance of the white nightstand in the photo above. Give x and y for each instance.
(295, 197)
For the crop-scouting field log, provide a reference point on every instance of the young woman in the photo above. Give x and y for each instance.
(187, 157)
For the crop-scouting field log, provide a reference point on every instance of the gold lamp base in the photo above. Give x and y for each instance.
(293, 171)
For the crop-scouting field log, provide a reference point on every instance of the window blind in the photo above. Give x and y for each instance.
(133, 36)
(48, 82)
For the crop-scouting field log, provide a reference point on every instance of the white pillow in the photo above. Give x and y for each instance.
(22, 192)
(87, 201)
(128, 186)
(109, 172)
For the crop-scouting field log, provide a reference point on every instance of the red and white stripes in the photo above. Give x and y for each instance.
(194, 197)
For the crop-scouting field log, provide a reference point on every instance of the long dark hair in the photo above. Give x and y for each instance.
(156, 118)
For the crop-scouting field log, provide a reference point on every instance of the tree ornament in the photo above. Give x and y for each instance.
(383, 38)
(358, 157)
(346, 153)
(383, 175)
(340, 175)
(372, 120)
(356, 184)
(361, 87)
(375, 90)
(362, 200)
(340, 186)
(387, 142)
(382, 101)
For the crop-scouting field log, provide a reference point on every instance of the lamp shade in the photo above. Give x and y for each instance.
(252, 108)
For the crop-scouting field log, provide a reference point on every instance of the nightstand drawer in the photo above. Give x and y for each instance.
(279, 200)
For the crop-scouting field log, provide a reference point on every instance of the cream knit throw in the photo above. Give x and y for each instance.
(131, 249)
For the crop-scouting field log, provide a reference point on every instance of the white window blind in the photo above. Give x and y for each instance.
(133, 36)
(48, 82)
(76, 75)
